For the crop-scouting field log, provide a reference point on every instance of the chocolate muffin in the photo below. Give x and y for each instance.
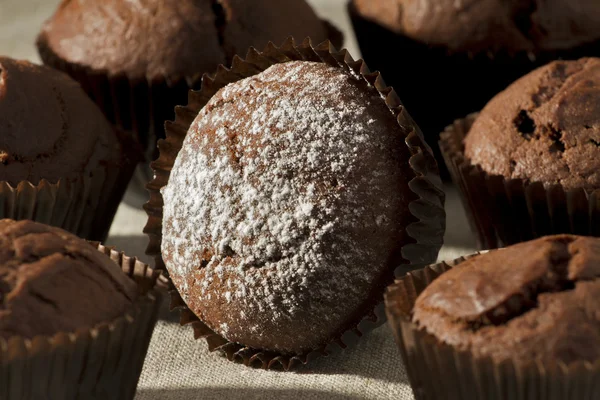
(287, 207)
(467, 49)
(138, 60)
(154, 39)
(535, 301)
(75, 317)
(50, 129)
(520, 322)
(528, 165)
(51, 281)
(544, 128)
(490, 25)
(63, 161)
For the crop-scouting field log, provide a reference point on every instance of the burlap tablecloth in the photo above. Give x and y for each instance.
(177, 366)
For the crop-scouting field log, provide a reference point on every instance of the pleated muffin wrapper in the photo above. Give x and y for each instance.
(103, 362)
(438, 86)
(504, 211)
(439, 371)
(85, 206)
(425, 227)
(138, 106)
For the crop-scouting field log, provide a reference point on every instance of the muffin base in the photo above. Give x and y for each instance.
(505, 211)
(103, 362)
(437, 86)
(424, 231)
(439, 371)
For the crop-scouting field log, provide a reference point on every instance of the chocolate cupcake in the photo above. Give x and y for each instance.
(138, 60)
(449, 58)
(293, 187)
(520, 322)
(74, 323)
(61, 162)
(529, 164)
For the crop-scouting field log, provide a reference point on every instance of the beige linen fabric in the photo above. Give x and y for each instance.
(177, 367)
(180, 368)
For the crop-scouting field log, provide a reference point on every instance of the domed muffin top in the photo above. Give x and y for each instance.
(482, 25)
(172, 38)
(545, 127)
(50, 128)
(51, 281)
(286, 208)
(535, 301)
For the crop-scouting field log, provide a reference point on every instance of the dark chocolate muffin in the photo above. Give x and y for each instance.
(51, 281)
(286, 208)
(535, 301)
(490, 25)
(543, 128)
(174, 38)
(454, 56)
(50, 129)
(66, 164)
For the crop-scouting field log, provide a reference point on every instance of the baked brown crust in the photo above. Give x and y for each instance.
(535, 301)
(52, 281)
(50, 128)
(489, 25)
(171, 38)
(301, 140)
(545, 127)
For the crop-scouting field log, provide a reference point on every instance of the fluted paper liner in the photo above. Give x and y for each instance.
(85, 206)
(505, 211)
(424, 231)
(458, 82)
(103, 362)
(439, 371)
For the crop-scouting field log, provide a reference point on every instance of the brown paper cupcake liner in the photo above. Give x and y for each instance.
(438, 87)
(439, 371)
(424, 231)
(103, 362)
(505, 211)
(84, 206)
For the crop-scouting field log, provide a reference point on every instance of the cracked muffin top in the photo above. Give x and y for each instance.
(489, 25)
(52, 281)
(50, 128)
(285, 211)
(535, 301)
(172, 38)
(545, 127)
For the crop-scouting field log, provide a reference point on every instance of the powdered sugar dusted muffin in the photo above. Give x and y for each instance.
(286, 208)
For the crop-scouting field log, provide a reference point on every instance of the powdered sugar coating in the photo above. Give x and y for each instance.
(285, 206)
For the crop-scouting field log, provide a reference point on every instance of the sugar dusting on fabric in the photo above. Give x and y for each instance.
(262, 211)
